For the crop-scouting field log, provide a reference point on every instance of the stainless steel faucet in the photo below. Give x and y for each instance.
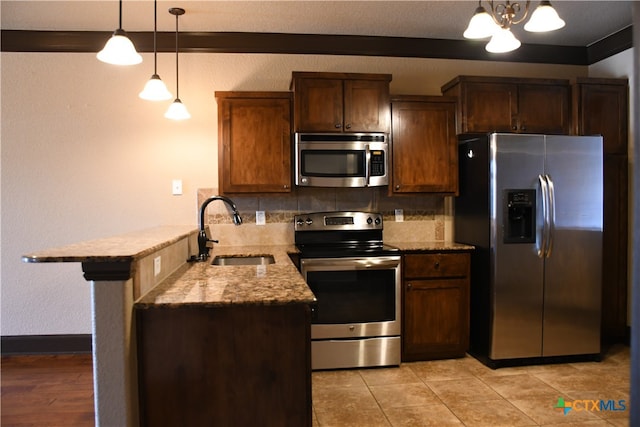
(203, 239)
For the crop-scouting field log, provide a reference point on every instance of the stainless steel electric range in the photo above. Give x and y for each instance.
(356, 279)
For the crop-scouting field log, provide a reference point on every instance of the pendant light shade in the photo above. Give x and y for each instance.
(481, 25)
(503, 41)
(119, 49)
(177, 110)
(155, 89)
(544, 18)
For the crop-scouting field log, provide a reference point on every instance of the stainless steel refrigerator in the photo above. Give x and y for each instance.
(532, 206)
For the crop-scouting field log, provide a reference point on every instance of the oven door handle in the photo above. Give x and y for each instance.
(364, 263)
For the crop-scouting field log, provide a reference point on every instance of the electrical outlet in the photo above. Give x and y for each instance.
(399, 215)
(157, 265)
(176, 187)
(260, 218)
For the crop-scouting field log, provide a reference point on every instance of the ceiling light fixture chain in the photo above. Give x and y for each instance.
(497, 24)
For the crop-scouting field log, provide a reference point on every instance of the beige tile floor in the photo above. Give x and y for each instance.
(464, 392)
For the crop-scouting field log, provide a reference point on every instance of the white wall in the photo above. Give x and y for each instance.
(83, 157)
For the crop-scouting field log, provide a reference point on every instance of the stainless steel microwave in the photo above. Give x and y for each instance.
(341, 159)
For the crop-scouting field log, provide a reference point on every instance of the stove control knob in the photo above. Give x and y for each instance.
(369, 221)
(309, 221)
(299, 222)
(378, 220)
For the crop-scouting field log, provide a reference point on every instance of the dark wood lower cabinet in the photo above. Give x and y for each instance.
(225, 366)
(436, 305)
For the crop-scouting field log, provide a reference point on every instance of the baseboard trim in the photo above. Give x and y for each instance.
(45, 344)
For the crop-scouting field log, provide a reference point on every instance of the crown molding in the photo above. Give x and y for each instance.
(315, 44)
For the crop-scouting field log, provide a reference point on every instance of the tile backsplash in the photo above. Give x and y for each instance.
(426, 217)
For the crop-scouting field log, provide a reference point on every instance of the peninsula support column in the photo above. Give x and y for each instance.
(114, 350)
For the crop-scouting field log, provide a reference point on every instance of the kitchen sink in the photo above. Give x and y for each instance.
(243, 260)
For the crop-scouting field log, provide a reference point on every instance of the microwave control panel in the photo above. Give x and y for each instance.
(377, 163)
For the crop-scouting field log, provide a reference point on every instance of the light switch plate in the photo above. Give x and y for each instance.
(399, 215)
(176, 187)
(260, 218)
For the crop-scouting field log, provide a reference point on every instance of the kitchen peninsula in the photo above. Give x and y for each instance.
(223, 306)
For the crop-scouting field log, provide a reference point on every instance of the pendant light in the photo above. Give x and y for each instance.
(177, 110)
(119, 49)
(502, 41)
(155, 89)
(544, 18)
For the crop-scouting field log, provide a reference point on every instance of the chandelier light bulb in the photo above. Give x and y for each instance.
(481, 25)
(503, 41)
(177, 111)
(544, 18)
(119, 50)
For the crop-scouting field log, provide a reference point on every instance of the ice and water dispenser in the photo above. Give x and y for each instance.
(520, 216)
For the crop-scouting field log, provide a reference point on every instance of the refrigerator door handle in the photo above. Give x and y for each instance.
(551, 215)
(544, 190)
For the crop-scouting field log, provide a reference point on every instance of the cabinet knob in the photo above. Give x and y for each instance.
(348, 126)
(523, 127)
(397, 186)
(409, 285)
(338, 125)
(285, 186)
(437, 265)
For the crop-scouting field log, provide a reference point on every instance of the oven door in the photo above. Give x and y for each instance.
(356, 297)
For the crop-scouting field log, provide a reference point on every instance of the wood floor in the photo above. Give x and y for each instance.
(49, 390)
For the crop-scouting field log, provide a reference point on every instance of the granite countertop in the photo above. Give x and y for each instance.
(203, 284)
(431, 246)
(125, 247)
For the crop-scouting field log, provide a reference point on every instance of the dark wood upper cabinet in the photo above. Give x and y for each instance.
(601, 107)
(254, 142)
(341, 102)
(506, 104)
(424, 145)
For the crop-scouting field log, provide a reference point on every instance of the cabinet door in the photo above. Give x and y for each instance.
(544, 109)
(425, 150)
(435, 319)
(436, 305)
(254, 145)
(366, 106)
(319, 105)
(489, 107)
(603, 110)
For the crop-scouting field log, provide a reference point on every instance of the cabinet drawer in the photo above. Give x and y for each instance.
(436, 265)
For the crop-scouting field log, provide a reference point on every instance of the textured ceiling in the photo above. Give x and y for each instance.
(587, 21)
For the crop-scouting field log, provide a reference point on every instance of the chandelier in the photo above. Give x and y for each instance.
(497, 24)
